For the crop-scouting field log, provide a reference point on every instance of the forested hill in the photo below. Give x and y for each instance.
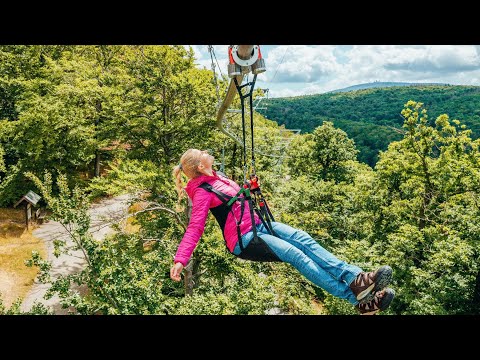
(381, 84)
(367, 116)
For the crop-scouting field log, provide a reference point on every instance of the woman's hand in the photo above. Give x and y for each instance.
(175, 271)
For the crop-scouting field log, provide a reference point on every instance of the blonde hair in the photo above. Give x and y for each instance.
(189, 165)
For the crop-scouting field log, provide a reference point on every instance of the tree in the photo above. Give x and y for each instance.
(371, 116)
(332, 150)
(427, 178)
(172, 106)
(325, 154)
(55, 126)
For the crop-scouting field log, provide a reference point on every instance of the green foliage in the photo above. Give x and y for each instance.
(14, 309)
(241, 287)
(9, 192)
(327, 154)
(323, 155)
(370, 117)
(338, 306)
(128, 176)
(3, 169)
(172, 105)
(300, 151)
(73, 109)
(123, 277)
(426, 178)
(117, 118)
(418, 212)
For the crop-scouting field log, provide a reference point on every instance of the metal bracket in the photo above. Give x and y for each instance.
(247, 62)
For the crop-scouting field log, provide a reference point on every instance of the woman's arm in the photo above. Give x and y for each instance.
(200, 206)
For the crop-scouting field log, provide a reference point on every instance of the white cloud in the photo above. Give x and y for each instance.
(300, 63)
(307, 69)
(434, 59)
(419, 63)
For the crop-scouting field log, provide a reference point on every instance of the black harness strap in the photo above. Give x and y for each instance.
(257, 249)
(254, 226)
(239, 221)
(258, 200)
(265, 223)
(225, 198)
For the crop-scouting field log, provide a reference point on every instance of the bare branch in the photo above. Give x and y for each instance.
(156, 206)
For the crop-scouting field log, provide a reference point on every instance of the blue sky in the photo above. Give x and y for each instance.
(311, 69)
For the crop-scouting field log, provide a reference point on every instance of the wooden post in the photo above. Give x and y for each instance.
(243, 52)
(28, 211)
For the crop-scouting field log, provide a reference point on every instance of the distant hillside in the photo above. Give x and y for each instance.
(367, 116)
(380, 84)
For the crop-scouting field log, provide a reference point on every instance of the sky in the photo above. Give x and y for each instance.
(294, 70)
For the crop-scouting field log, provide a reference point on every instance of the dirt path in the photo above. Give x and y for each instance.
(102, 214)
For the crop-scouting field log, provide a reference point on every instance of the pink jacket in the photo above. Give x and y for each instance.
(202, 201)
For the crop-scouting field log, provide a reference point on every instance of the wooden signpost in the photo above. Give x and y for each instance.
(30, 199)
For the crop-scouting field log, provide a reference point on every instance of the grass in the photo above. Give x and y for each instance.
(16, 246)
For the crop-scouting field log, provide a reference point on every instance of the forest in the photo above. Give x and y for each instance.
(371, 117)
(83, 122)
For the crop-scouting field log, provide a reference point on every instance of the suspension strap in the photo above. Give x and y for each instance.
(242, 102)
(264, 212)
(251, 124)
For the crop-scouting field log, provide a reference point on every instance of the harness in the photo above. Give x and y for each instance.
(257, 249)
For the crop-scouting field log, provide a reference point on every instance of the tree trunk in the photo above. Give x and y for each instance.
(97, 163)
(98, 107)
(188, 280)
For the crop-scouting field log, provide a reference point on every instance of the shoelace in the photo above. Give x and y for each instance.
(363, 279)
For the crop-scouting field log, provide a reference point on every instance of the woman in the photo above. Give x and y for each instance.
(367, 291)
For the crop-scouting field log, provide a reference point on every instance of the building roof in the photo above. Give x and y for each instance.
(30, 197)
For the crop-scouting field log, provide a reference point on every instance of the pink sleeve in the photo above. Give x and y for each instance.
(200, 206)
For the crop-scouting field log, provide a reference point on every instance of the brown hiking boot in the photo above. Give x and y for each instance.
(365, 285)
(380, 301)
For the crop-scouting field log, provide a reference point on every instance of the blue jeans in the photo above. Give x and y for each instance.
(297, 248)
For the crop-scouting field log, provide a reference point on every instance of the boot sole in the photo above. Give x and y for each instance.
(384, 278)
(387, 299)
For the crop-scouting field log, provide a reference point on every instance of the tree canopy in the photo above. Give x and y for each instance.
(371, 117)
(81, 122)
